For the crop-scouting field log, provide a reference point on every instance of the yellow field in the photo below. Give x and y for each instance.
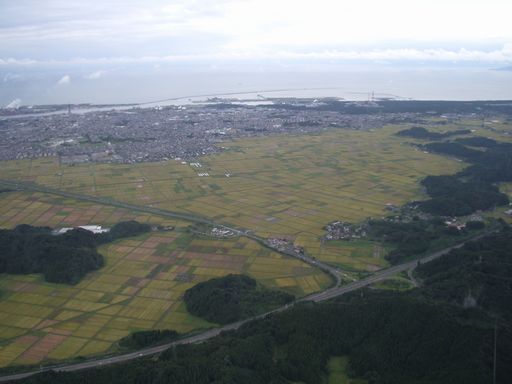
(56, 212)
(277, 186)
(140, 287)
(288, 186)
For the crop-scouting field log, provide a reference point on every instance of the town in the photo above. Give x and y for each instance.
(172, 132)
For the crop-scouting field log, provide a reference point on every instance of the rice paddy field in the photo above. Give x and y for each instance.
(354, 255)
(278, 186)
(140, 287)
(288, 186)
(39, 209)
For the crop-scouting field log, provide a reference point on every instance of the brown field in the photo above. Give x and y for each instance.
(288, 186)
(140, 287)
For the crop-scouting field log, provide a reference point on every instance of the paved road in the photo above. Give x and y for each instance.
(317, 297)
(17, 185)
(378, 276)
(386, 273)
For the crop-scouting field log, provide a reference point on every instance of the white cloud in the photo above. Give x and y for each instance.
(64, 80)
(16, 103)
(199, 27)
(96, 75)
(503, 55)
(412, 54)
(257, 24)
(159, 31)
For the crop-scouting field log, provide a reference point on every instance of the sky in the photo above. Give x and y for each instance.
(57, 42)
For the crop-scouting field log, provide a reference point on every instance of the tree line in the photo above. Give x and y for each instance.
(473, 188)
(65, 258)
(421, 336)
(231, 298)
(142, 339)
(412, 238)
(423, 133)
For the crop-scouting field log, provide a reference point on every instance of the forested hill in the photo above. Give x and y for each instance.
(398, 106)
(417, 337)
(410, 239)
(65, 258)
(471, 189)
(231, 298)
(477, 275)
(423, 133)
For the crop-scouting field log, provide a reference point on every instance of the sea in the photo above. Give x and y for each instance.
(179, 88)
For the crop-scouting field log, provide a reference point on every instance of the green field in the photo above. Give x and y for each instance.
(337, 370)
(288, 186)
(395, 283)
(140, 287)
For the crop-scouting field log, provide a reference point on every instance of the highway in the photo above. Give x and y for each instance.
(378, 276)
(208, 334)
(17, 185)
(201, 337)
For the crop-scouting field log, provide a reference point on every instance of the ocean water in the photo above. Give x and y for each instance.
(183, 87)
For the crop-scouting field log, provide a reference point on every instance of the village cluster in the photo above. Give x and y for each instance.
(340, 230)
(285, 246)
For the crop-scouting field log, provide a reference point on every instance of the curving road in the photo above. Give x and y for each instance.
(317, 297)
(18, 185)
(201, 337)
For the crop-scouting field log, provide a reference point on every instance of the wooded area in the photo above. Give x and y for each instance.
(231, 298)
(426, 335)
(471, 189)
(65, 258)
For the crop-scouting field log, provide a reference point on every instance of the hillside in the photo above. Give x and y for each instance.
(231, 298)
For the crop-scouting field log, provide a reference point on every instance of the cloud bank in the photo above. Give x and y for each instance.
(503, 55)
(122, 47)
(58, 32)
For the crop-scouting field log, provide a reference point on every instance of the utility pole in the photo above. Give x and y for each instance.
(495, 350)
(174, 354)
